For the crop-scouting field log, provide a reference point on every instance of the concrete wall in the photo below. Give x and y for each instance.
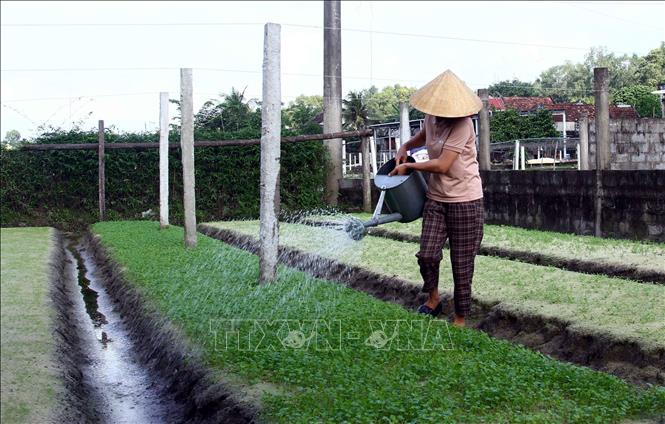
(633, 202)
(633, 206)
(635, 144)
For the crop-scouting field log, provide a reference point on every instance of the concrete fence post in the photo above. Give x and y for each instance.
(345, 162)
(579, 163)
(602, 109)
(516, 156)
(404, 126)
(372, 154)
(271, 124)
(367, 188)
(522, 158)
(163, 160)
(187, 149)
(484, 132)
(583, 152)
(101, 171)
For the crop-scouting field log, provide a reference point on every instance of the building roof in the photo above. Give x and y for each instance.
(520, 104)
(623, 112)
(526, 104)
(574, 111)
(496, 103)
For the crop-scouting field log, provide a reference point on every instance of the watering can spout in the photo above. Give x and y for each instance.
(403, 194)
(357, 229)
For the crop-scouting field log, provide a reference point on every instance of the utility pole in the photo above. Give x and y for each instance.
(332, 93)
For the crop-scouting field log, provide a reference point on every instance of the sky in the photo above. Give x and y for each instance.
(78, 62)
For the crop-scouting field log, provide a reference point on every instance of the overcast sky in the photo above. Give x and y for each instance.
(73, 61)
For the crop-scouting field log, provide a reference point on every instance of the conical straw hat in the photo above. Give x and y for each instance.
(446, 96)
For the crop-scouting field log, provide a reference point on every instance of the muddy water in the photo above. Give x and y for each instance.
(126, 391)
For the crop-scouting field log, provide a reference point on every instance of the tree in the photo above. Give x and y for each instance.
(640, 97)
(621, 68)
(509, 88)
(650, 69)
(12, 136)
(231, 114)
(566, 83)
(299, 115)
(509, 125)
(383, 105)
(540, 124)
(354, 111)
(572, 82)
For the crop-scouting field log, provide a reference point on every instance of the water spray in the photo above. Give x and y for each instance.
(403, 194)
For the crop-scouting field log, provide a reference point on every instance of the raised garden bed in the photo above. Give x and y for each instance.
(622, 308)
(643, 261)
(467, 377)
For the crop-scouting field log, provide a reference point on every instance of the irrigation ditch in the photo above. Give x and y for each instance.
(627, 359)
(121, 361)
(575, 265)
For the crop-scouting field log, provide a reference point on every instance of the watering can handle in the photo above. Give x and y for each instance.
(379, 205)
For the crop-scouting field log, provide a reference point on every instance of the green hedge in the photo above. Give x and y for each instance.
(60, 187)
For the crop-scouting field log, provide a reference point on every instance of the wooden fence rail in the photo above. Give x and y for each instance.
(101, 146)
(211, 143)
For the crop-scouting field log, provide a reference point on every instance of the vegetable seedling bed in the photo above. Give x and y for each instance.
(478, 380)
(640, 261)
(577, 317)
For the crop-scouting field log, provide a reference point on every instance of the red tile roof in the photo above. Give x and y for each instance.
(526, 104)
(574, 111)
(520, 104)
(623, 112)
(496, 103)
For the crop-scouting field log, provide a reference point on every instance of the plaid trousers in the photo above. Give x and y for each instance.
(462, 224)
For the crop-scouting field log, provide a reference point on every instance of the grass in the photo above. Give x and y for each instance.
(623, 308)
(465, 376)
(28, 375)
(648, 256)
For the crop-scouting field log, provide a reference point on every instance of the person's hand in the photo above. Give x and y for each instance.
(401, 155)
(399, 170)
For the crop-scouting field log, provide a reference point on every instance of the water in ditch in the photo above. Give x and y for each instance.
(126, 390)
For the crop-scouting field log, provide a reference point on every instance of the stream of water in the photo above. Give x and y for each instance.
(129, 392)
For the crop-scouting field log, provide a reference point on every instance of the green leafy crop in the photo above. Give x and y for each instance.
(456, 376)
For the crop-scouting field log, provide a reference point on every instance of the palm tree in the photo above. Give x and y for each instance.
(235, 109)
(354, 111)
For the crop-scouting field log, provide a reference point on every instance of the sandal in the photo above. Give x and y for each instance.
(424, 309)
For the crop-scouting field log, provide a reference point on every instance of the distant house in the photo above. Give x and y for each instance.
(567, 114)
(570, 114)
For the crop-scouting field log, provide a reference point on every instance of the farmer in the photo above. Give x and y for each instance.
(454, 206)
